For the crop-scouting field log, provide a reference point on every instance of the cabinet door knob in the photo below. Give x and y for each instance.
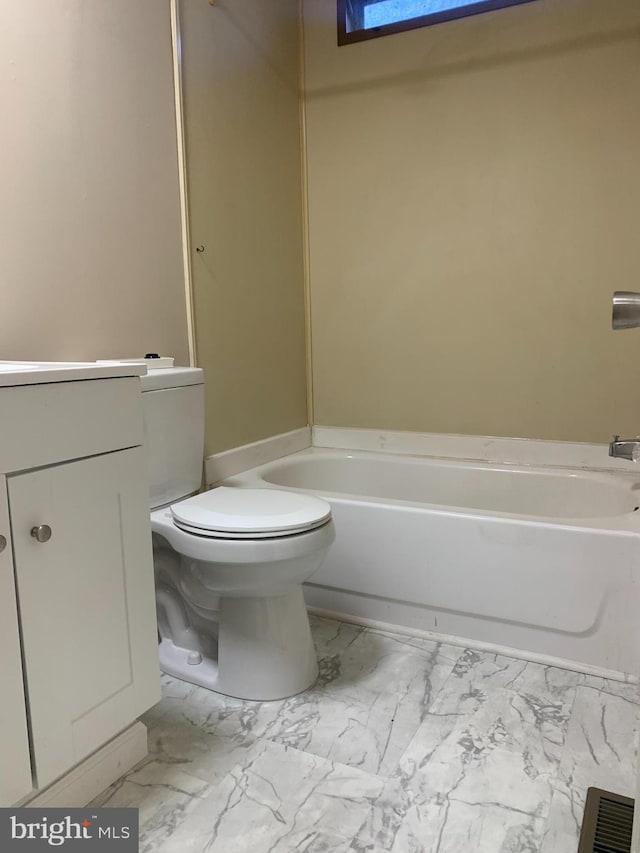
(42, 532)
(3, 542)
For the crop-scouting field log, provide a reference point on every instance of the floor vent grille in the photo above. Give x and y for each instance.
(607, 823)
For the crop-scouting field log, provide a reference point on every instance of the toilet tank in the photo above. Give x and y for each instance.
(173, 411)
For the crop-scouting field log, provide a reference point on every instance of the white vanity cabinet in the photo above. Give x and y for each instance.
(74, 511)
(15, 764)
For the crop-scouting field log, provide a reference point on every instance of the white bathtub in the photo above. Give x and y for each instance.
(542, 562)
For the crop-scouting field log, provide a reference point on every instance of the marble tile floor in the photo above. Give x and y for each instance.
(403, 745)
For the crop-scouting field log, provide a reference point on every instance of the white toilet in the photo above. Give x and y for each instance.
(229, 562)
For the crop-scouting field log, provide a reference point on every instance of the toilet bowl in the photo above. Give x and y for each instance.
(231, 614)
(229, 562)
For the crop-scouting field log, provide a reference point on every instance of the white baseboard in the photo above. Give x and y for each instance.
(484, 448)
(476, 645)
(93, 775)
(220, 466)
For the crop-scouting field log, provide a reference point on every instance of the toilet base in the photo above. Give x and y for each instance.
(265, 650)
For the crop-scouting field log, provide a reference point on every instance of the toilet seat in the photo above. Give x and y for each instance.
(237, 513)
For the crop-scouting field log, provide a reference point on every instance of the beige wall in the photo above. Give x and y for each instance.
(90, 253)
(474, 200)
(240, 76)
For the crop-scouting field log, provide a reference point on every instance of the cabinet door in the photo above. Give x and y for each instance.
(87, 603)
(15, 765)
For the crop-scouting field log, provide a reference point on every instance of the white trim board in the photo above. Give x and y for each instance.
(484, 448)
(220, 466)
(176, 46)
(476, 645)
(92, 776)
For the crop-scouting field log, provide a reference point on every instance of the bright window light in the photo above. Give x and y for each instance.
(392, 11)
(364, 19)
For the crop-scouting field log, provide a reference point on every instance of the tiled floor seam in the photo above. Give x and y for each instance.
(555, 786)
(442, 688)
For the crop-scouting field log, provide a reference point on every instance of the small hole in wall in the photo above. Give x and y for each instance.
(636, 508)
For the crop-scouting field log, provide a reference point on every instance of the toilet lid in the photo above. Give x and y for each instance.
(250, 513)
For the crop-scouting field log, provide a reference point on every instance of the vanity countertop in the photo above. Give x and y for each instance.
(39, 372)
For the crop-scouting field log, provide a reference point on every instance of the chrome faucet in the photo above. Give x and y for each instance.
(626, 448)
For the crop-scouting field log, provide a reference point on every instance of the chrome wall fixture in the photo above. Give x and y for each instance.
(626, 310)
(625, 315)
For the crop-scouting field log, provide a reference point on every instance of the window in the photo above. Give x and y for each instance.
(365, 19)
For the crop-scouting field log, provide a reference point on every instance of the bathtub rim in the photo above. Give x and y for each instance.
(622, 524)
